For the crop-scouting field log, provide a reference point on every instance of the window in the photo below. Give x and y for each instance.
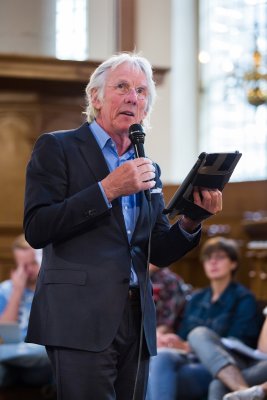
(71, 29)
(230, 31)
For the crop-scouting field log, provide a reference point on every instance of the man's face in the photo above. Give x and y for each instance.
(27, 258)
(119, 110)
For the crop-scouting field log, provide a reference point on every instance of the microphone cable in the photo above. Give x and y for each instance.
(141, 339)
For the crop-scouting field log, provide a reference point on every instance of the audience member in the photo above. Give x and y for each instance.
(225, 307)
(21, 362)
(231, 370)
(170, 293)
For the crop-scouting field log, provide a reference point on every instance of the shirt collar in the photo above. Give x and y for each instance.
(103, 139)
(100, 135)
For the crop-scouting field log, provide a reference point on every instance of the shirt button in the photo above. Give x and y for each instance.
(129, 232)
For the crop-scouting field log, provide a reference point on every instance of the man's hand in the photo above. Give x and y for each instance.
(131, 177)
(210, 200)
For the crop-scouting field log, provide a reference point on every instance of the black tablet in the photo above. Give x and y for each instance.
(212, 171)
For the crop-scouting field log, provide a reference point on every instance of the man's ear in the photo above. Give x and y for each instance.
(95, 99)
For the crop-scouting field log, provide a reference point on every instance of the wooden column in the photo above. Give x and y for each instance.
(126, 22)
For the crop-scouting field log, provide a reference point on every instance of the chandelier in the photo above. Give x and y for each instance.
(256, 81)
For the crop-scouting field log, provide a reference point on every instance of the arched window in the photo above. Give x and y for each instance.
(71, 29)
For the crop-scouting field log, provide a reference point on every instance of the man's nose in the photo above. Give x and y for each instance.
(131, 95)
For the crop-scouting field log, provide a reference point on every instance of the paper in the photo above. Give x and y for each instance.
(237, 345)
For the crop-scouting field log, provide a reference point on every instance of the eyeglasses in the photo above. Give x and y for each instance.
(216, 257)
(123, 88)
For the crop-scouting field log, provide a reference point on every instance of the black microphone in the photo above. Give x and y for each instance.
(137, 137)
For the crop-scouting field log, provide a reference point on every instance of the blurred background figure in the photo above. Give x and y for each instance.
(21, 362)
(225, 308)
(170, 294)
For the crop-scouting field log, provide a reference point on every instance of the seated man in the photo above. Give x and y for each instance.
(21, 362)
(231, 370)
(225, 307)
(170, 294)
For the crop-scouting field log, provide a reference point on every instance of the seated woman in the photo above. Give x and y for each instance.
(225, 307)
(233, 372)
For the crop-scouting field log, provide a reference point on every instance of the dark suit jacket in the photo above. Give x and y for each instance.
(85, 273)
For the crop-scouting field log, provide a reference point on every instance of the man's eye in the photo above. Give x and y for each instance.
(140, 90)
(122, 86)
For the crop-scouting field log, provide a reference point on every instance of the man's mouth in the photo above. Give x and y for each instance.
(128, 113)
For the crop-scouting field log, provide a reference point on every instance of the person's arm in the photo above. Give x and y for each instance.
(51, 212)
(19, 279)
(170, 244)
(262, 342)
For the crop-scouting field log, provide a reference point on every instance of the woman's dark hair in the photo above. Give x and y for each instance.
(218, 243)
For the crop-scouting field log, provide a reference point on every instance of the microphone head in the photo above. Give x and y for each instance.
(137, 134)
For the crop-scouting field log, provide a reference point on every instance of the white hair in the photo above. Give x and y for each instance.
(98, 79)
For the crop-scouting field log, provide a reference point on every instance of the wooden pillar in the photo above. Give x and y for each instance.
(126, 23)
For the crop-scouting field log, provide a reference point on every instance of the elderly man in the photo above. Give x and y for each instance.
(85, 205)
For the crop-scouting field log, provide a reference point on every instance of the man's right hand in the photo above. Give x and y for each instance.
(131, 177)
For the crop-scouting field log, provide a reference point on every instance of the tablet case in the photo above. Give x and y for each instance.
(211, 171)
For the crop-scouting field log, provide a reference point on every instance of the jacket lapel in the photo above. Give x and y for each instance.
(92, 153)
(95, 160)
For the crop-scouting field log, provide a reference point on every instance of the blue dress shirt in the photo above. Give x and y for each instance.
(130, 204)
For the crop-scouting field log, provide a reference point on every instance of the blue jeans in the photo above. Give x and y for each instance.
(174, 376)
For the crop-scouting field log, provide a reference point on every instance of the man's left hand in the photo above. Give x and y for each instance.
(209, 199)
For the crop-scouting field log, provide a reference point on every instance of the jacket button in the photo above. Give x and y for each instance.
(90, 213)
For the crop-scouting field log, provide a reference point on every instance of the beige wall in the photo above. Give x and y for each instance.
(167, 36)
(153, 32)
(29, 27)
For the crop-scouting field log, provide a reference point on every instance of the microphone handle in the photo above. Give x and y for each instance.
(140, 152)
